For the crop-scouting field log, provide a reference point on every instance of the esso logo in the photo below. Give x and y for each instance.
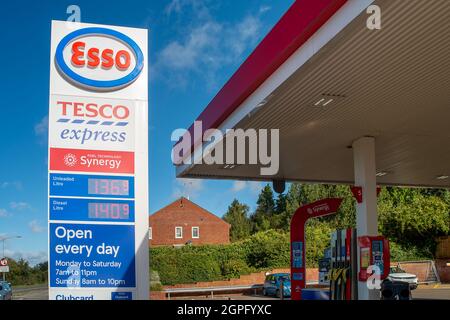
(121, 60)
(99, 59)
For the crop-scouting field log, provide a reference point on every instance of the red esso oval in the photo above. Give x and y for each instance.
(94, 58)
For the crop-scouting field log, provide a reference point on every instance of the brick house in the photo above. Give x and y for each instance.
(183, 222)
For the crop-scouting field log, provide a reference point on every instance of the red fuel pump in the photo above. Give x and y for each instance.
(373, 251)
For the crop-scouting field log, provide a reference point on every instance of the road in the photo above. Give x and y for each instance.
(431, 293)
(30, 293)
(41, 293)
(426, 293)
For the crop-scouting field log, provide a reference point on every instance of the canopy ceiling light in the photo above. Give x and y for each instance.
(382, 174)
(327, 99)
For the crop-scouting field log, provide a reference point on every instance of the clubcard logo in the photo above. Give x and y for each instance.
(91, 161)
(99, 59)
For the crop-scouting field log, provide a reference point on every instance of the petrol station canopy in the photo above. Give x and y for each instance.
(392, 84)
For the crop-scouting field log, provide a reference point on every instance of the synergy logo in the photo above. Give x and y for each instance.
(70, 160)
(91, 161)
(99, 59)
(92, 123)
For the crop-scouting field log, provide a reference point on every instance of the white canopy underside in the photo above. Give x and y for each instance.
(396, 83)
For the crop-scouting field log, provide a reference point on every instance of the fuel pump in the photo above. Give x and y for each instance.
(342, 275)
(325, 267)
(373, 251)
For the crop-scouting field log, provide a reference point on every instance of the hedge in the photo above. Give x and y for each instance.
(190, 264)
(261, 252)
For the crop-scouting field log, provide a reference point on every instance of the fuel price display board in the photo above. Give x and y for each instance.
(77, 185)
(91, 210)
(98, 164)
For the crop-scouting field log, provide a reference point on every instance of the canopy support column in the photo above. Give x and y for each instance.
(366, 212)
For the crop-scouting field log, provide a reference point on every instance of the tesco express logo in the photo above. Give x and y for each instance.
(99, 59)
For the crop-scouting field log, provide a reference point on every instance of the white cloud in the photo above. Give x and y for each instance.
(193, 51)
(173, 6)
(199, 8)
(33, 258)
(188, 188)
(41, 129)
(253, 186)
(246, 33)
(35, 227)
(264, 9)
(14, 184)
(206, 46)
(19, 206)
(238, 186)
(3, 213)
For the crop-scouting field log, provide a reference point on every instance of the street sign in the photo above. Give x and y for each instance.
(4, 269)
(98, 163)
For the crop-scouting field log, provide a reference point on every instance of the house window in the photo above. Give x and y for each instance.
(195, 232)
(150, 234)
(178, 232)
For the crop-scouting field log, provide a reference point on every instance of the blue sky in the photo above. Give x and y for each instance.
(195, 46)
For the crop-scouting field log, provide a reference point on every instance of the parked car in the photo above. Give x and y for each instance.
(274, 282)
(5, 291)
(398, 274)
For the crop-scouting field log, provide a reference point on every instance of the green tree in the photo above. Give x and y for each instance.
(413, 219)
(317, 236)
(278, 220)
(237, 217)
(268, 250)
(262, 218)
(280, 204)
(21, 273)
(40, 272)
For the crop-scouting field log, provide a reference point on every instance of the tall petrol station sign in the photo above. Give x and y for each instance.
(98, 156)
